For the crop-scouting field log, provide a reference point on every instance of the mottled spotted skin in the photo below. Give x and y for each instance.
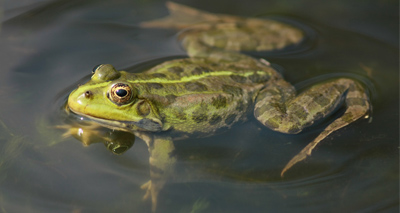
(212, 89)
(298, 112)
(209, 99)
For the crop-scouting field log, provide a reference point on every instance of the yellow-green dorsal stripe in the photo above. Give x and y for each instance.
(195, 77)
(185, 78)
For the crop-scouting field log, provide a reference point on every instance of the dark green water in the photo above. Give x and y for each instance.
(47, 47)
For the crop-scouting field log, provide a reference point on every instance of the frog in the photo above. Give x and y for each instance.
(215, 87)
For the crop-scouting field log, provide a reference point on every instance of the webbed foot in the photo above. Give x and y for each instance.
(152, 191)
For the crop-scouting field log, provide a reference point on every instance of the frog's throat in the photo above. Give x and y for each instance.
(127, 126)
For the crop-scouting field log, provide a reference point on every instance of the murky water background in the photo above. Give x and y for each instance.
(47, 47)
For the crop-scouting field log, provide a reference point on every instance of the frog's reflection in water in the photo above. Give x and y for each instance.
(118, 142)
(162, 162)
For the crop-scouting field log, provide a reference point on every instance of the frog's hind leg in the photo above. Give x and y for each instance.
(278, 108)
(182, 16)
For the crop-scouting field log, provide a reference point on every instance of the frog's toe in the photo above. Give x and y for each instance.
(299, 157)
(146, 186)
(152, 190)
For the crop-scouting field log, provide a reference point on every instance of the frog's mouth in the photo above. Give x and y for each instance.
(144, 124)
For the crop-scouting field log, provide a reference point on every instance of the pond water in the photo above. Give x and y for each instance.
(48, 47)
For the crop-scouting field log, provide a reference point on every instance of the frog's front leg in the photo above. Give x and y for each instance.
(162, 163)
(278, 108)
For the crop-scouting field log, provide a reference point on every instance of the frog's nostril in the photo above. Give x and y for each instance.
(88, 94)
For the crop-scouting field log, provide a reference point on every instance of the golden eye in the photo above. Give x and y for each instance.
(120, 94)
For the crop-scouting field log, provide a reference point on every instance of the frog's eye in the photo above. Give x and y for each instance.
(104, 72)
(96, 67)
(121, 94)
(117, 148)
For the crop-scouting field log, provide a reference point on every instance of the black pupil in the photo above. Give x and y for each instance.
(121, 92)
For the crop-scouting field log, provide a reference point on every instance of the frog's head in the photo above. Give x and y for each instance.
(109, 99)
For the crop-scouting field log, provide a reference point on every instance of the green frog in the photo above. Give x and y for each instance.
(213, 88)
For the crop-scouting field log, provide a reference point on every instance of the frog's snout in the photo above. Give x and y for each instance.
(77, 100)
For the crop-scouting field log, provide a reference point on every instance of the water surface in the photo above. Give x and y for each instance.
(50, 46)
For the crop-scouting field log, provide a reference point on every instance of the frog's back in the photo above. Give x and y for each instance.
(175, 76)
(193, 95)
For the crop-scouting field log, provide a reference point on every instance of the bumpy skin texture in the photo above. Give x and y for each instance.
(214, 88)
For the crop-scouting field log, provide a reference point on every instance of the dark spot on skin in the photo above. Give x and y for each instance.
(322, 101)
(232, 67)
(239, 24)
(236, 91)
(196, 71)
(181, 115)
(256, 78)
(156, 170)
(176, 70)
(200, 70)
(155, 85)
(158, 75)
(162, 115)
(198, 118)
(238, 78)
(268, 107)
(299, 111)
(219, 102)
(171, 98)
(229, 120)
(301, 114)
(200, 114)
(240, 106)
(195, 86)
(215, 119)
